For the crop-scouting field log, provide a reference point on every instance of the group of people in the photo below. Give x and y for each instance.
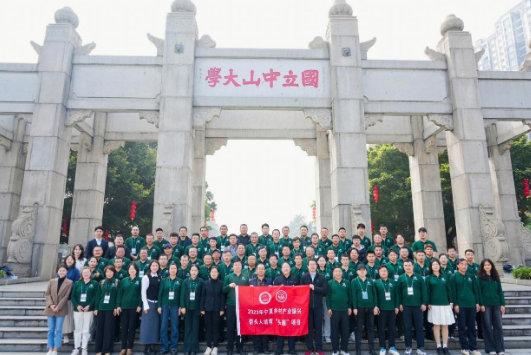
(106, 292)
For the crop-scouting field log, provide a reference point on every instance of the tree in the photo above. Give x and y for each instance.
(297, 222)
(210, 205)
(448, 202)
(521, 160)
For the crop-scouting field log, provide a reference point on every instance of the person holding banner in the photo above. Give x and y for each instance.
(318, 289)
(260, 342)
(338, 300)
(229, 287)
(285, 279)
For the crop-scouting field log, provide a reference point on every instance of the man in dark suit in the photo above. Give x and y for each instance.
(318, 288)
(118, 241)
(98, 240)
(286, 279)
(261, 342)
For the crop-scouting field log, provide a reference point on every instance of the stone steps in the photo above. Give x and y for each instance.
(512, 309)
(517, 300)
(27, 301)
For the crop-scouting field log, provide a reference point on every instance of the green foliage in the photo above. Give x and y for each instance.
(448, 203)
(389, 170)
(210, 205)
(521, 160)
(297, 222)
(523, 273)
(2, 273)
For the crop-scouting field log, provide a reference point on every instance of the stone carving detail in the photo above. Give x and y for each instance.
(443, 121)
(215, 144)
(340, 8)
(430, 143)
(206, 42)
(322, 117)
(365, 46)
(526, 65)
(434, 55)
(183, 6)
(74, 147)
(37, 47)
(308, 145)
(505, 146)
(356, 216)
(150, 116)
(371, 119)
(76, 116)
(204, 115)
(406, 148)
(5, 142)
(111, 146)
(67, 15)
(158, 42)
(479, 54)
(318, 43)
(86, 140)
(494, 245)
(166, 223)
(86, 49)
(452, 23)
(526, 238)
(20, 245)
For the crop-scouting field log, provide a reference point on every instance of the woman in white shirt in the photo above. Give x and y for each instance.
(79, 256)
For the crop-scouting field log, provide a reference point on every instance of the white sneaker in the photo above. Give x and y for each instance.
(352, 337)
(66, 339)
(408, 351)
(328, 340)
(393, 352)
(493, 353)
(343, 353)
(75, 352)
(84, 352)
(336, 353)
(421, 352)
(208, 351)
(465, 352)
(214, 351)
(54, 352)
(49, 352)
(475, 352)
(382, 351)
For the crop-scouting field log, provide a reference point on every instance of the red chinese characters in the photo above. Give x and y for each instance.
(213, 76)
(308, 78)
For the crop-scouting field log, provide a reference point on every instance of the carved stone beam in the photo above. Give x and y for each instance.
(74, 117)
(215, 144)
(319, 116)
(430, 143)
(308, 145)
(111, 146)
(371, 119)
(150, 116)
(356, 216)
(406, 148)
(204, 115)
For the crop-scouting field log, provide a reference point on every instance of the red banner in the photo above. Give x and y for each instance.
(273, 310)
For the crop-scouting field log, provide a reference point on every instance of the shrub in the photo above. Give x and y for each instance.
(523, 273)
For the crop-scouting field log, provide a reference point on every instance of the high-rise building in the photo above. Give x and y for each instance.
(506, 48)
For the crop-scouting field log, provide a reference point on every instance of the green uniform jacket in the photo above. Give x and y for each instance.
(286, 242)
(106, 287)
(372, 271)
(452, 264)
(135, 245)
(396, 248)
(380, 288)
(289, 260)
(449, 271)
(327, 273)
(222, 242)
(383, 261)
(129, 293)
(346, 244)
(274, 248)
(125, 262)
(241, 280)
(419, 245)
(395, 270)
(265, 239)
(163, 273)
(438, 288)
(90, 288)
(349, 274)
(199, 250)
(101, 263)
(472, 269)
(120, 275)
(251, 249)
(339, 250)
(153, 252)
(388, 242)
(371, 248)
(366, 242)
(273, 273)
(224, 270)
(338, 295)
(178, 251)
(297, 273)
(237, 258)
(332, 266)
(263, 262)
(326, 243)
(319, 249)
(143, 267)
(204, 272)
(249, 273)
(358, 287)
(421, 270)
(166, 286)
(420, 295)
(100, 275)
(464, 290)
(490, 291)
(183, 273)
(195, 286)
(161, 243)
(300, 251)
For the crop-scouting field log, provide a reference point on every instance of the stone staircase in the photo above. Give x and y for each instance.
(23, 327)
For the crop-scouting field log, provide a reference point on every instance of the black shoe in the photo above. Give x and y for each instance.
(256, 352)
(146, 350)
(174, 352)
(446, 351)
(440, 351)
(266, 351)
(293, 352)
(372, 352)
(277, 353)
(193, 353)
(229, 352)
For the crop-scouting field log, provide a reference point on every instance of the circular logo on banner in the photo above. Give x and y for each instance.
(264, 298)
(281, 296)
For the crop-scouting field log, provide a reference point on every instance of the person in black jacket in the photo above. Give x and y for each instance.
(261, 342)
(98, 240)
(212, 308)
(318, 288)
(190, 307)
(287, 280)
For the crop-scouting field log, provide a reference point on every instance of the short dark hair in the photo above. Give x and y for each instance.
(135, 266)
(158, 229)
(422, 229)
(341, 229)
(265, 225)
(335, 235)
(303, 226)
(98, 227)
(360, 225)
(296, 255)
(371, 252)
(392, 251)
(469, 251)
(109, 267)
(273, 256)
(118, 236)
(186, 229)
(450, 247)
(237, 262)
(173, 234)
(194, 234)
(383, 225)
(356, 237)
(420, 252)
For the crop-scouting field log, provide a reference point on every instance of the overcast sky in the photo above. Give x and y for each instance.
(252, 181)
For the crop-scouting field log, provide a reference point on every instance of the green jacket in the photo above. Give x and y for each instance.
(274, 248)
(160, 244)
(388, 242)
(366, 242)
(395, 270)
(90, 289)
(397, 248)
(183, 273)
(338, 295)
(339, 250)
(298, 272)
(286, 242)
(380, 289)
(101, 263)
(251, 249)
(472, 269)
(241, 280)
(327, 243)
(129, 293)
(143, 267)
(204, 272)
(464, 289)
(349, 274)
(419, 245)
(224, 270)
(289, 260)
(422, 271)
(168, 285)
(490, 292)
(372, 271)
(120, 275)
(135, 245)
(110, 288)
(327, 273)
(359, 287)
(346, 244)
(153, 252)
(438, 288)
(199, 250)
(273, 273)
(125, 262)
(420, 295)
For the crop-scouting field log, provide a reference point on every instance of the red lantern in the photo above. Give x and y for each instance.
(314, 213)
(375, 193)
(212, 217)
(65, 226)
(527, 193)
(106, 235)
(132, 214)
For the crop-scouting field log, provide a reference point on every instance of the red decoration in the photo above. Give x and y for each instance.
(375, 193)
(65, 226)
(212, 217)
(372, 226)
(132, 215)
(314, 213)
(527, 193)
(106, 235)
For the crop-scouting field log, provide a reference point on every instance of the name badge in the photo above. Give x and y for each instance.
(424, 277)
(364, 295)
(222, 248)
(149, 258)
(276, 253)
(192, 296)
(388, 296)
(133, 251)
(83, 297)
(336, 259)
(106, 299)
(396, 277)
(171, 295)
(410, 291)
(141, 273)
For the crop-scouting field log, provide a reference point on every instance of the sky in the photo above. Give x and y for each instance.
(252, 181)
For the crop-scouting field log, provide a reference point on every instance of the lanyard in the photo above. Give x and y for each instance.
(366, 287)
(173, 286)
(106, 286)
(383, 285)
(407, 282)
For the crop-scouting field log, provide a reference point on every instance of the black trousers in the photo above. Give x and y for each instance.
(260, 343)
(400, 324)
(191, 330)
(315, 323)
(129, 319)
(365, 317)
(231, 329)
(212, 322)
(339, 325)
(104, 332)
(387, 319)
(428, 327)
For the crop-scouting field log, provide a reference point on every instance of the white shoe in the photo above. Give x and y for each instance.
(49, 352)
(343, 353)
(84, 352)
(475, 352)
(336, 353)
(75, 352)
(465, 352)
(208, 351)
(214, 351)
(54, 352)
(66, 339)
(352, 337)
(328, 340)
(493, 353)
(382, 352)
(408, 351)
(421, 352)
(393, 352)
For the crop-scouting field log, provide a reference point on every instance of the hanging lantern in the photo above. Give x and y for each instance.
(375, 193)
(314, 213)
(527, 193)
(132, 214)
(106, 235)
(212, 217)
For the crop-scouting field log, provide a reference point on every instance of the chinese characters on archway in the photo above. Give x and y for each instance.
(271, 78)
